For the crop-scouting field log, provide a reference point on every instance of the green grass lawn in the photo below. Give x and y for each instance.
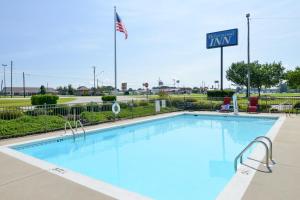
(27, 102)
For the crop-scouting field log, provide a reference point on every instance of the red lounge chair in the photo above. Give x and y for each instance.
(253, 104)
(226, 105)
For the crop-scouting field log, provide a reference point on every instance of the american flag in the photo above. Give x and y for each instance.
(120, 26)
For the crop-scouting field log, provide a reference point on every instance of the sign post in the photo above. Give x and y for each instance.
(222, 68)
(222, 39)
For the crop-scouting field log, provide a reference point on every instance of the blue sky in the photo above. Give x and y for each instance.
(58, 42)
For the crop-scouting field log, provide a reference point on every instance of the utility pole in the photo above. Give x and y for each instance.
(248, 53)
(24, 85)
(4, 65)
(1, 86)
(94, 80)
(174, 83)
(11, 67)
(102, 72)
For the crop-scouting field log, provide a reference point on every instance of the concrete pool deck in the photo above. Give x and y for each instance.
(19, 180)
(284, 182)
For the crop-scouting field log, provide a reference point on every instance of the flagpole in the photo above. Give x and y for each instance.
(115, 50)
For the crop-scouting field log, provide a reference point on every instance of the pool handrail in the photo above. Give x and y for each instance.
(270, 146)
(81, 125)
(240, 155)
(70, 126)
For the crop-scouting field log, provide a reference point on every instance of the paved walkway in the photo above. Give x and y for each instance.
(20, 181)
(284, 182)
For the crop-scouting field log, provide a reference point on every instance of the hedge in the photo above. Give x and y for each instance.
(27, 125)
(109, 98)
(99, 117)
(10, 114)
(297, 105)
(220, 93)
(44, 99)
(96, 117)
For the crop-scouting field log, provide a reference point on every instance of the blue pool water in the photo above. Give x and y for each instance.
(182, 157)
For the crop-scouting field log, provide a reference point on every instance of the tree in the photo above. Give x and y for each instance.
(42, 89)
(60, 90)
(237, 73)
(65, 90)
(196, 90)
(107, 89)
(293, 78)
(283, 87)
(258, 76)
(273, 74)
(267, 75)
(70, 90)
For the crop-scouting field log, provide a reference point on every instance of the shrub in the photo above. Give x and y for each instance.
(176, 102)
(133, 104)
(274, 110)
(220, 93)
(96, 117)
(26, 125)
(44, 99)
(93, 107)
(93, 117)
(297, 105)
(61, 110)
(162, 94)
(10, 114)
(143, 103)
(106, 107)
(109, 98)
(36, 112)
(264, 107)
(190, 99)
(77, 109)
(123, 105)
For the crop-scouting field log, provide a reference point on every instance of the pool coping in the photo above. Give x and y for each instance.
(235, 188)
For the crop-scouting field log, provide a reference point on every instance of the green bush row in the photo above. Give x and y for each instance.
(26, 125)
(65, 110)
(98, 117)
(220, 93)
(109, 98)
(42, 99)
(10, 114)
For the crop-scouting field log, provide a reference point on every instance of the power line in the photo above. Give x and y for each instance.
(275, 18)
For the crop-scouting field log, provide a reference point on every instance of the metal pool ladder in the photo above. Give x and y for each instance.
(260, 140)
(76, 127)
(81, 126)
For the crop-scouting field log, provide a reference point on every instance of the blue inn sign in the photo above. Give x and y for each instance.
(222, 38)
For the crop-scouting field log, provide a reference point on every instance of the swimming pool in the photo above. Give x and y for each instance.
(181, 157)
